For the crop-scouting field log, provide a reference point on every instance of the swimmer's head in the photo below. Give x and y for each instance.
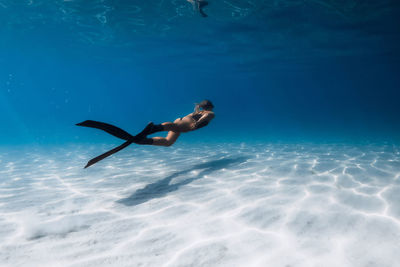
(206, 105)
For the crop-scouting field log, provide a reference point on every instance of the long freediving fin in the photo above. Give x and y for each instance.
(108, 153)
(117, 132)
(111, 129)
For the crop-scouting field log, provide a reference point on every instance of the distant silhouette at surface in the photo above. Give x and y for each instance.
(162, 187)
(198, 5)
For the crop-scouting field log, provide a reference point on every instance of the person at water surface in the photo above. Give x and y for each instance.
(202, 115)
(198, 5)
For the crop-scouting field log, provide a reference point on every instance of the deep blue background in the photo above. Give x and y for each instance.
(275, 70)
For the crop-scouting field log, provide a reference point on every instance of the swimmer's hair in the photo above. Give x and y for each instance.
(205, 105)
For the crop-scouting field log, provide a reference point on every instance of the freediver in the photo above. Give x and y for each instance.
(198, 5)
(202, 115)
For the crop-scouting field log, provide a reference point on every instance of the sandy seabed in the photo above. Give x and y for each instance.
(278, 205)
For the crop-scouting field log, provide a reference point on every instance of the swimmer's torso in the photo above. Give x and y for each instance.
(190, 119)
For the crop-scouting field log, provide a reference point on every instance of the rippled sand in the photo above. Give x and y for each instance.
(208, 205)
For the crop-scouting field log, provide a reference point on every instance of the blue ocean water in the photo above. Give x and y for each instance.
(299, 168)
(276, 70)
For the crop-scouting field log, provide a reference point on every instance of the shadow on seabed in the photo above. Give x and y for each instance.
(163, 186)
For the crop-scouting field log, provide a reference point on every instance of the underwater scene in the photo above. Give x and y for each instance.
(200, 133)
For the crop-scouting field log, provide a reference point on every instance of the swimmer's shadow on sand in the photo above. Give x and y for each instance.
(163, 187)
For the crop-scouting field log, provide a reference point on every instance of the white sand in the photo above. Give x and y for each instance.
(224, 205)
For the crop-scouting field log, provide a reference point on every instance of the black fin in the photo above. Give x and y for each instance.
(111, 129)
(156, 128)
(108, 153)
(145, 141)
(117, 132)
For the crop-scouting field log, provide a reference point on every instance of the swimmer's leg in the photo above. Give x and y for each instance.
(166, 126)
(161, 141)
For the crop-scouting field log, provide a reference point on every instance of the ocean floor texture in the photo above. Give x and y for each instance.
(278, 205)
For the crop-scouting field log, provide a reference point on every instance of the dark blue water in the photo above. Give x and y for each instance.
(316, 70)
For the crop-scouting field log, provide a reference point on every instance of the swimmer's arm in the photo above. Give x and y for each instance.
(206, 117)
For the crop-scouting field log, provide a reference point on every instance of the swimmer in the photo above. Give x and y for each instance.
(198, 5)
(202, 115)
